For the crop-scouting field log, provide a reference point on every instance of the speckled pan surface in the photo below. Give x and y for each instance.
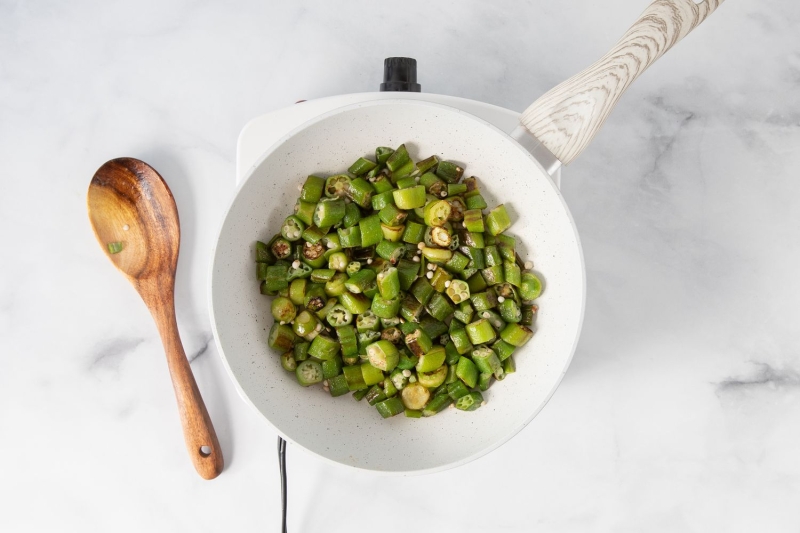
(341, 429)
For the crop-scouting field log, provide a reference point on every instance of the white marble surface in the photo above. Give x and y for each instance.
(681, 411)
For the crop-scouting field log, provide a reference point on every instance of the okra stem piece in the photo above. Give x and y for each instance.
(497, 221)
(480, 332)
(389, 283)
(382, 184)
(409, 198)
(475, 201)
(507, 246)
(492, 256)
(359, 281)
(494, 319)
(493, 275)
(305, 325)
(354, 377)
(509, 366)
(528, 314)
(457, 389)
(484, 380)
(381, 200)
(297, 291)
(329, 211)
(414, 232)
(503, 349)
(263, 253)
(312, 189)
(483, 301)
(408, 271)
(413, 413)
(375, 395)
(371, 233)
(464, 312)
(473, 220)
(276, 277)
(461, 340)
(332, 367)
(427, 164)
(338, 385)
(383, 355)
(516, 335)
(510, 311)
(457, 263)
(404, 183)
(411, 309)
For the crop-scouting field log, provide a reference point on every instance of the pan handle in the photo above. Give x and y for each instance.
(566, 118)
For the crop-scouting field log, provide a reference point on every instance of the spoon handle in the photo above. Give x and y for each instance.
(198, 432)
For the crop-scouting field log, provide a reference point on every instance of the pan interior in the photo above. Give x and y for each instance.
(341, 429)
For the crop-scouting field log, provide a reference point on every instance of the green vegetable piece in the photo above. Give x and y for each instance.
(528, 314)
(329, 211)
(335, 287)
(449, 171)
(386, 308)
(493, 275)
(464, 312)
(361, 166)
(354, 377)
(389, 283)
(414, 232)
(437, 212)
(480, 332)
(337, 385)
(503, 349)
(390, 251)
(359, 281)
(390, 407)
(323, 347)
(308, 373)
(276, 277)
(352, 215)
(497, 221)
(437, 405)
(467, 372)
(371, 374)
(431, 360)
(288, 362)
(281, 338)
(457, 264)
(484, 381)
(509, 366)
(511, 273)
(418, 342)
(301, 351)
(531, 286)
(355, 303)
(437, 255)
(510, 311)
(347, 340)
(475, 201)
(292, 228)
(350, 237)
(383, 355)
(332, 367)
(457, 389)
(392, 233)
(427, 164)
(312, 189)
(371, 233)
(516, 335)
(337, 186)
(438, 307)
(283, 309)
(407, 361)
(382, 153)
(399, 158)
(469, 402)
(405, 183)
(409, 198)
(413, 413)
(492, 255)
(359, 394)
(263, 253)
(487, 361)
(461, 340)
(458, 291)
(367, 322)
(375, 395)
(434, 378)
(392, 216)
(415, 396)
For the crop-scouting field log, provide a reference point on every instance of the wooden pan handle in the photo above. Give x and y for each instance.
(198, 432)
(567, 117)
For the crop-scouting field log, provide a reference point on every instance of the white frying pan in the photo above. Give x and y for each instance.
(514, 169)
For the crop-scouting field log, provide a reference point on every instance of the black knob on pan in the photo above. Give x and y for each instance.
(400, 74)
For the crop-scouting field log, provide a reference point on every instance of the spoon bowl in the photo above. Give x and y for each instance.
(135, 220)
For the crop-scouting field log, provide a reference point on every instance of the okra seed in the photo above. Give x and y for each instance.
(429, 275)
(501, 299)
(296, 264)
(325, 383)
(446, 283)
(528, 265)
(416, 178)
(486, 314)
(126, 227)
(331, 245)
(419, 252)
(443, 194)
(283, 323)
(421, 246)
(483, 402)
(407, 373)
(412, 379)
(369, 261)
(415, 259)
(299, 186)
(451, 406)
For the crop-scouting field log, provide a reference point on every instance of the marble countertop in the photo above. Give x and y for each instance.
(681, 410)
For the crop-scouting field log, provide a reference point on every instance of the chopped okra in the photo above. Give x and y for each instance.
(394, 281)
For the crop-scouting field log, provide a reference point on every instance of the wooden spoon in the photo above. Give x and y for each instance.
(130, 206)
